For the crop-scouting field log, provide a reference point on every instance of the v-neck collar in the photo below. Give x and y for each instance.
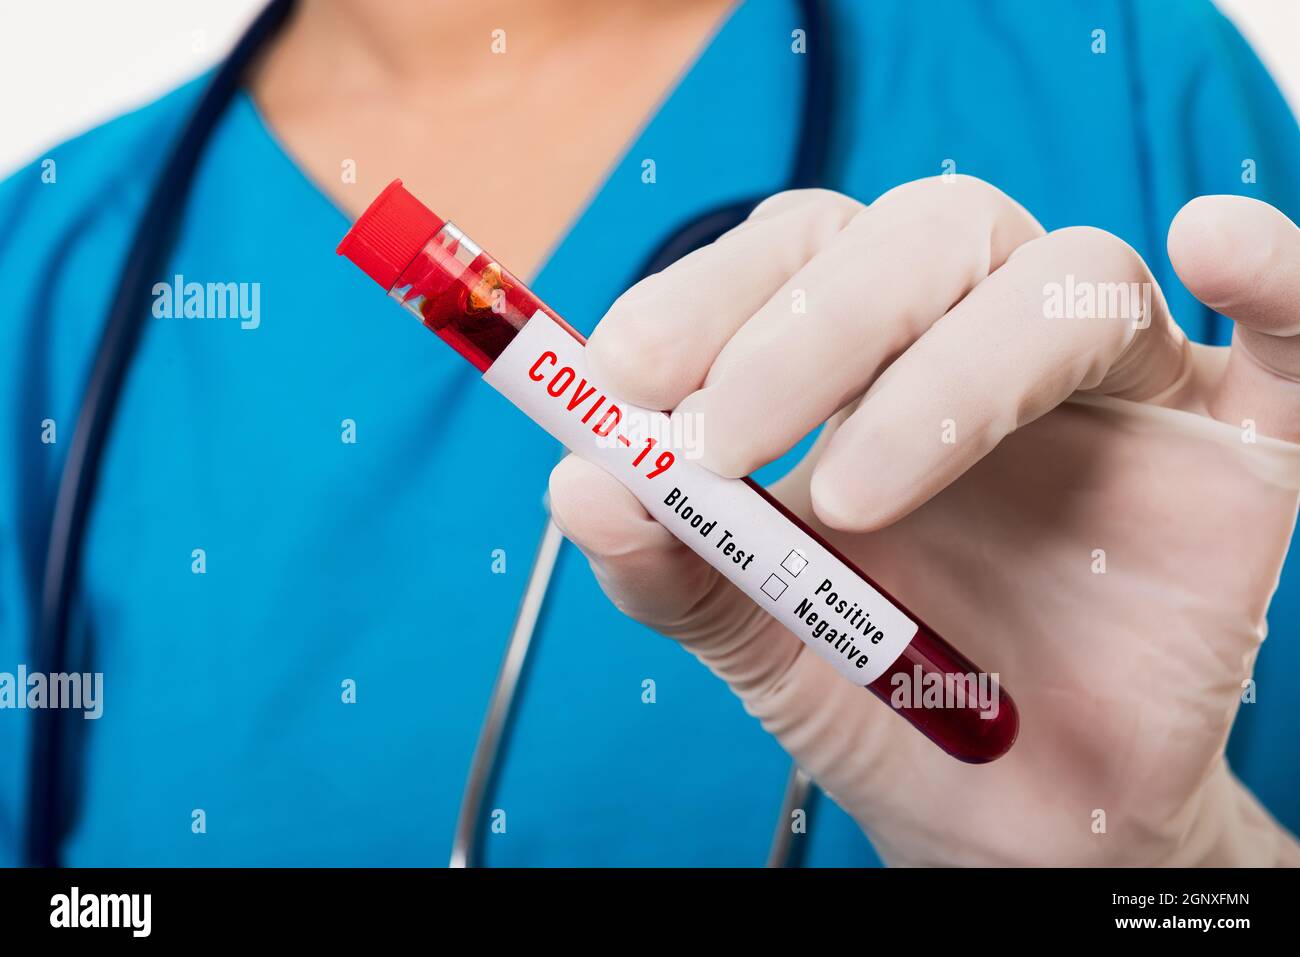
(623, 220)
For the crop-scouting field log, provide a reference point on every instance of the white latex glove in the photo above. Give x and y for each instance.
(1075, 442)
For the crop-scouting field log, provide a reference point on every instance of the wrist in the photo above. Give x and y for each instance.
(1237, 831)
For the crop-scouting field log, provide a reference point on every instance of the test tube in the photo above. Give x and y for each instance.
(529, 353)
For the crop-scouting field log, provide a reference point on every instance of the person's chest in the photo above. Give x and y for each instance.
(311, 534)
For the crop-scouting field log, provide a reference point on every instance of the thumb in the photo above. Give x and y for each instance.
(834, 730)
(1241, 257)
(653, 577)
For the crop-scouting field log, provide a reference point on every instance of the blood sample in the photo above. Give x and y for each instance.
(533, 357)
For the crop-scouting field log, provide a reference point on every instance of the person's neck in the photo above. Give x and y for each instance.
(361, 92)
(415, 44)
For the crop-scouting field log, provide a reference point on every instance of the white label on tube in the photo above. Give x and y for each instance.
(783, 569)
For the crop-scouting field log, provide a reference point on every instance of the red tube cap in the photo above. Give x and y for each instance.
(389, 234)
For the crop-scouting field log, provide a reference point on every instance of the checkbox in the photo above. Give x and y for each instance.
(795, 562)
(774, 587)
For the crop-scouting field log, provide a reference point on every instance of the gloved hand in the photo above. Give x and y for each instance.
(1093, 508)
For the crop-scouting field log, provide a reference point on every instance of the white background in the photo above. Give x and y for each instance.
(66, 65)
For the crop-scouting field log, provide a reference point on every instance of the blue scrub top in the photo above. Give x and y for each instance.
(373, 562)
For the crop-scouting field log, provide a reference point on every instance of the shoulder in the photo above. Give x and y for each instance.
(102, 173)
(66, 225)
(1178, 42)
(1053, 46)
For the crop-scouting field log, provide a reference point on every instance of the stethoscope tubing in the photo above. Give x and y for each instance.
(501, 703)
(47, 814)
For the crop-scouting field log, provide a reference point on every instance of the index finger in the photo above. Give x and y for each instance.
(656, 343)
(998, 360)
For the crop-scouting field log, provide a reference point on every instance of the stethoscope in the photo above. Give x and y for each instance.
(51, 778)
